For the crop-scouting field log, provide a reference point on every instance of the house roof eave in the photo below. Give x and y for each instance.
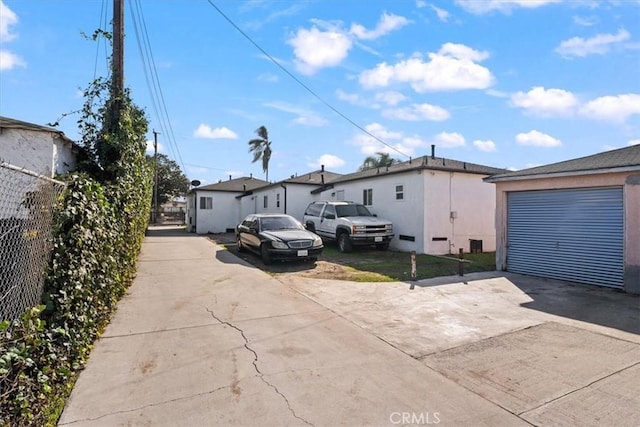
(493, 179)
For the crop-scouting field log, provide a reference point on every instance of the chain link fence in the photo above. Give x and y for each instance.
(27, 201)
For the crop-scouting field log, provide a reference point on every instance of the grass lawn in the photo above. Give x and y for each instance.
(375, 266)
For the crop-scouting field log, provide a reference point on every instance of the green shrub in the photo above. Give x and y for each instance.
(99, 226)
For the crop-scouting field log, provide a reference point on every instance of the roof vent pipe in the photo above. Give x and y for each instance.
(251, 175)
(409, 159)
(321, 168)
(433, 151)
(229, 177)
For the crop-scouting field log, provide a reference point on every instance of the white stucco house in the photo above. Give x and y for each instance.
(437, 205)
(215, 208)
(35, 148)
(290, 196)
(577, 220)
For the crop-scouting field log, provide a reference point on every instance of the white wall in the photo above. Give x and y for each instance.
(42, 152)
(473, 204)
(64, 156)
(298, 198)
(225, 212)
(405, 214)
(424, 213)
(27, 149)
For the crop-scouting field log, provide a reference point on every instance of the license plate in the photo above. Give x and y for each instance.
(378, 239)
(303, 253)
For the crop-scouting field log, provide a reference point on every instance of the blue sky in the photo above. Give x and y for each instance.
(512, 83)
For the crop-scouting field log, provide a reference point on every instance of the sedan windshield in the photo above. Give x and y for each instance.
(352, 210)
(279, 223)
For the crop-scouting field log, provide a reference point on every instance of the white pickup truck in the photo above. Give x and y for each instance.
(348, 223)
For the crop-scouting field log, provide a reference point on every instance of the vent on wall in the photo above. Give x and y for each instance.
(408, 238)
(439, 239)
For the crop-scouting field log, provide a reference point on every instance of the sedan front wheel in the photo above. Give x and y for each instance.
(264, 252)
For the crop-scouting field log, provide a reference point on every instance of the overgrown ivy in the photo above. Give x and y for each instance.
(98, 230)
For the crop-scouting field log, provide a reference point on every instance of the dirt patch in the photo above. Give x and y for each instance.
(321, 269)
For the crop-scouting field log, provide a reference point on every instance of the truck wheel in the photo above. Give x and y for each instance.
(264, 252)
(239, 243)
(344, 243)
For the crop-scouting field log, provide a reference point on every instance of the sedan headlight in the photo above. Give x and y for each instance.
(279, 245)
(317, 242)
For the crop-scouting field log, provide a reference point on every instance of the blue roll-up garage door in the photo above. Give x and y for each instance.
(574, 235)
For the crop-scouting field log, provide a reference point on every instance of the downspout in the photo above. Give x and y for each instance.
(195, 212)
(285, 197)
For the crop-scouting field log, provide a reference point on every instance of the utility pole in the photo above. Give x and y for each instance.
(117, 82)
(155, 185)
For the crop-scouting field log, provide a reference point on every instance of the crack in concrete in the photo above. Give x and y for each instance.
(150, 405)
(257, 369)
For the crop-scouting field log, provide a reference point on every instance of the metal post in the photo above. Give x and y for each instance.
(414, 274)
(461, 263)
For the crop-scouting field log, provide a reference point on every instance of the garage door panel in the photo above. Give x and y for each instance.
(572, 235)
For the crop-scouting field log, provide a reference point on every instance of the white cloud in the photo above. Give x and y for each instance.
(315, 49)
(537, 139)
(449, 140)
(388, 23)
(9, 18)
(405, 144)
(10, 60)
(421, 3)
(329, 161)
(487, 146)
(452, 68)
(480, 7)
(545, 102)
(150, 149)
(585, 21)
(612, 108)
(418, 112)
(310, 120)
(205, 131)
(304, 117)
(351, 98)
(442, 14)
(268, 78)
(634, 142)
(599, 44)
(391, 97)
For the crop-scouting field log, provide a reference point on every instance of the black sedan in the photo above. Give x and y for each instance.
(277, 236)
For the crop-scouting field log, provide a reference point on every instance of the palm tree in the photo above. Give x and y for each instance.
(261, 149)
(383, 160)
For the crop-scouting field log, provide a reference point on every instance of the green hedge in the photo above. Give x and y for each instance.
(98, 230)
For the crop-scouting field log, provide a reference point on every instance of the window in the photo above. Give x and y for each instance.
(399, 192)
(340, 195)
(266, 202)
(314, 209)
(367, 197)
(330, 210)
(206, 202)
(277, 200)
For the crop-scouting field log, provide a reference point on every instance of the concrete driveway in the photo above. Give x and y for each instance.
(203, 338)
(550, 352)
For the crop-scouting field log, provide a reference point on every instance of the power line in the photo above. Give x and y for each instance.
(307, 88)
(153, 81)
